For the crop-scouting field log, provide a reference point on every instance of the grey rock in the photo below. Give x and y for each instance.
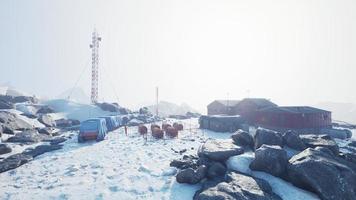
(41, 149)
(10, 122)
(30, 136)
(240, 187)
(45, 110)
(6, 105)
(56, 140)
(191, 176)
(243, 138)
(47, 120)
(292, 140)
(269, 137)
(270, 159)
(49, 131)
(14, 161)
(185, 162)
(4, 149)
(329, 176)
(216, 169)
(219, 150)
(314, 141)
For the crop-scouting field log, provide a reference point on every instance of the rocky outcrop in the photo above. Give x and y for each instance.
(49, 131)
(219, 150)
(41, 149)
(292, 140)
(30, 136)
(216, 169)
(320, 141)
(331, 177)
(10, 122)
(238, 186)
(185, 162)
(6, 105)
(18, 99)
(243, 138)
(269, 137)
(192, 176)
(45, 110)
(270, 159)
(4, 149)
(47, 120)
(14, 161)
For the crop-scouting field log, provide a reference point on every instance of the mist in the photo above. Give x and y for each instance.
(292, 52)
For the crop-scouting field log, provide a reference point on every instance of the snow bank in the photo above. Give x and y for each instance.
(73, 110)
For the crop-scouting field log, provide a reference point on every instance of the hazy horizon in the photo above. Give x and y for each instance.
(292, 52)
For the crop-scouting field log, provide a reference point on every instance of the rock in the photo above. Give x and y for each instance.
(352, 144)
(22, 99)
(11, 122)
(6, 105)
(185, 162)
(238, 186)
(331, 177)
(219, 150)
(32, 116)
(65, 123)
(351, 157)
(41, 149)
(270, 159)
(30, 136)
(325, 150)
(45, 110)
(49, 131)
(4, 149)
(7, 130)
(292, 140)
(269, 137)
(192, 176)
(337, 133)
(243, 138)
(321, 141)
(14, 161)
(108, 107)
(56, 140)
(47, 120)
(216, 169)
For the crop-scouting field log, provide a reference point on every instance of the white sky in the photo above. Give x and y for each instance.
(293, 52)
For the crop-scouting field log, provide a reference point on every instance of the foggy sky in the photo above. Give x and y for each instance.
(293, 52)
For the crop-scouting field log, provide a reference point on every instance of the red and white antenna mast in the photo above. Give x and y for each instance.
(95, 66)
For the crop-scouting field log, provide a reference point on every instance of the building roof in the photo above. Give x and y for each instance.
(294, 109)
(260, 102)
(228, 102)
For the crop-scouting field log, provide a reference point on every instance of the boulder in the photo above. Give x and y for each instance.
(185, 162)
(238, 186)
(22, 99)
(292, 140)
(6, 105)
(14, 161)
(65, 123)
(4, 149)
(219, 150)
(49, 131)
(192, 176)
(47, 120)
(56, 140)
(321, 141)
(352, 144)
(45, 110)
(30, 136)
(243, 138)
(330, 177)
(270, 159)
(11, 122)
(351, 157)
(216, 169)
(41, 149)
(108, 107)
(269, 137)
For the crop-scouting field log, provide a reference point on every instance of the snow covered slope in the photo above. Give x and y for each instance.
(73, 110)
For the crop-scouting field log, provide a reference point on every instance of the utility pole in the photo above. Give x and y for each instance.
(157, 101)
(95, 66)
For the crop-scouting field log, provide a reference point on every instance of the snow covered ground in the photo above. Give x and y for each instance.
(123, 167)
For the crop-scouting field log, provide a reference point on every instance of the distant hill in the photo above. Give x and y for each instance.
(340, 111)
(167, 108)
(76, 94)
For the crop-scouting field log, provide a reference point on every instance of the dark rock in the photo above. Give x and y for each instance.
(321, 141)
(7, 130)
(325, 150)
(216, 169)
(352, 144)
(6, 105)
(47, 120)
(10, 122)
(41, 149)
(45, 110)
(292, 140)
(351, 157)
(243, 138)
(56, 140)
(14, 161)
(191, 176)
(219, 150)
(331, 177)
(32, 116)
(185, 162)
(4, 149)
(108, 107)
(49, 131)
(269, 137)
(270, 159)
(30, 136)
(238, 186)
(22, 99)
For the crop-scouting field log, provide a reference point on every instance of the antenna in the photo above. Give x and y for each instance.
(95, 66)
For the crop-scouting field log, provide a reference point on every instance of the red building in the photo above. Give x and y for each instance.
(293, 117)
